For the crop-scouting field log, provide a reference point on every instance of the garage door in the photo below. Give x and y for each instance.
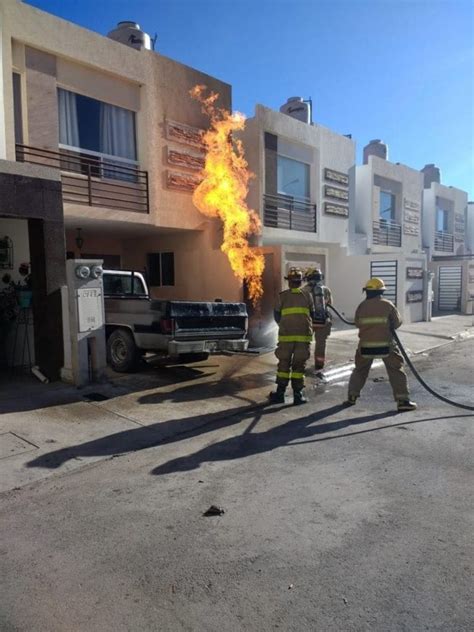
(386, 270)
(449, 289)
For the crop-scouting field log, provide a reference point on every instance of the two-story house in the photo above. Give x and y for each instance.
(113, 124)
(446, 239)
(384, 235)
(300, 190)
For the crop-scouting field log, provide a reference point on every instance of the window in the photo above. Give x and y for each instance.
(123, 284)
(387, 206)
(17, 113)
(100, 129)
(161, 268)
(442, 220)
(293, 178)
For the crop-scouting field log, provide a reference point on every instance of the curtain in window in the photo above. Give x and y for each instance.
(68, 122)
(117, 131)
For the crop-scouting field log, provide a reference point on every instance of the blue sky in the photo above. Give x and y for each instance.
(400, 70)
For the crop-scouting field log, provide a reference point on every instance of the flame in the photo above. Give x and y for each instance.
(223, 191)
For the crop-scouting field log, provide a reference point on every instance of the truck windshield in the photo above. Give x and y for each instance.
(121, 284)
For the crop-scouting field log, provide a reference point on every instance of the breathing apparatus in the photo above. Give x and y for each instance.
(314, 278)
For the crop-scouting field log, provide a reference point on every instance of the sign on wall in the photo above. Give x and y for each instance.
(185, 134)
(411, 205)
(415, 296)
(182, 181)
(338, 194)
(411, 217)
(411, 229)
(336, 176)
(185, 159)
(89, 309)
(414, 273)
(336, 209)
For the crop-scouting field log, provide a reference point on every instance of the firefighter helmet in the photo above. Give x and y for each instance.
(375, 284)
(294, 274)
(313, 274)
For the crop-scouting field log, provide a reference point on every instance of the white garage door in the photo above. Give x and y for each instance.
(449, 288)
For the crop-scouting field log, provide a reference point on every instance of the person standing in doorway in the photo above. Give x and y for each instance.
(377, 318)
(322, 322)
(294, 313)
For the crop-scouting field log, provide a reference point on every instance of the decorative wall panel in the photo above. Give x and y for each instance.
(414, 296)
(182, 181)
(184, 159)
(338, 194)
(411, 229)
(336, 176)
(414, 273)
(336, 209)
(411, 205)
(185, 134)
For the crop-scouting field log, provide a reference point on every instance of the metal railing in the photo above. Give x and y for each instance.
(387, 233)
(444, 242)
(92, 180)
(288, 213)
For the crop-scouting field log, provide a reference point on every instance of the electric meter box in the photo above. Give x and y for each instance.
(84, 331)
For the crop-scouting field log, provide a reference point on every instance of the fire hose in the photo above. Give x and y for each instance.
(410, 364)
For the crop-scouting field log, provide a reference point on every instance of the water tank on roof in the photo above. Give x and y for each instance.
(375, 148)
(431, 173)
(297, 108)
(130, 34)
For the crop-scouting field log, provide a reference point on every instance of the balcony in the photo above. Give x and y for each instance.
(93, 180)
(444, 242)
(288, 213)
(387, 233)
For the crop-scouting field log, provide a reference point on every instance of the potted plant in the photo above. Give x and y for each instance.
(23, 288)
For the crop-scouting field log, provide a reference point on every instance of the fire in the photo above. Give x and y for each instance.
(223, 191)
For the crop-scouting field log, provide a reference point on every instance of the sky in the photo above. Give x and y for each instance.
(398, 70)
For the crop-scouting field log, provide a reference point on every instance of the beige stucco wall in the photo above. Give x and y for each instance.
(59, 53)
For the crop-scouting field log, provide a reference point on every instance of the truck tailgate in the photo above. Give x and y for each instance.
(207, 321)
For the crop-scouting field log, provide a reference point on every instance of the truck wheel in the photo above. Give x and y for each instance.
(123, 354)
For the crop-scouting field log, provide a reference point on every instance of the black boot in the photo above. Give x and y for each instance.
(298, 397)
(278, 397)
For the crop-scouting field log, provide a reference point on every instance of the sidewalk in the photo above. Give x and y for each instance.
(422, 336)
(55, 428)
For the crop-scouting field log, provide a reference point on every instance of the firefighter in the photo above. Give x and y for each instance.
(294, 313)
(322, 321)
(376, 318)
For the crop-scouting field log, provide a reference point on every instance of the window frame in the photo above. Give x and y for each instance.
(446, 219)
(17, 90)
(393, 207)
(90, 152)
(156, 278)
(308, 175)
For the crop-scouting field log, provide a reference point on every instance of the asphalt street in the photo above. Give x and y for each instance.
(335, 519)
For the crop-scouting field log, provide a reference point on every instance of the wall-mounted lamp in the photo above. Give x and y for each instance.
(79, 239)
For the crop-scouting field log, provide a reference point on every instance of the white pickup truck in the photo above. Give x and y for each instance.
(186, 331)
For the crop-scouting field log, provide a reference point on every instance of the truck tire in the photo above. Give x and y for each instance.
(123, 354)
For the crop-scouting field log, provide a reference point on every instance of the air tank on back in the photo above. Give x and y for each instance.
(376, 147)
(297, 108)
(130, 34)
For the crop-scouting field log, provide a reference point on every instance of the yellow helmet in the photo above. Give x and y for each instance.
(294, 274)
(375, 284)
(313, 272)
